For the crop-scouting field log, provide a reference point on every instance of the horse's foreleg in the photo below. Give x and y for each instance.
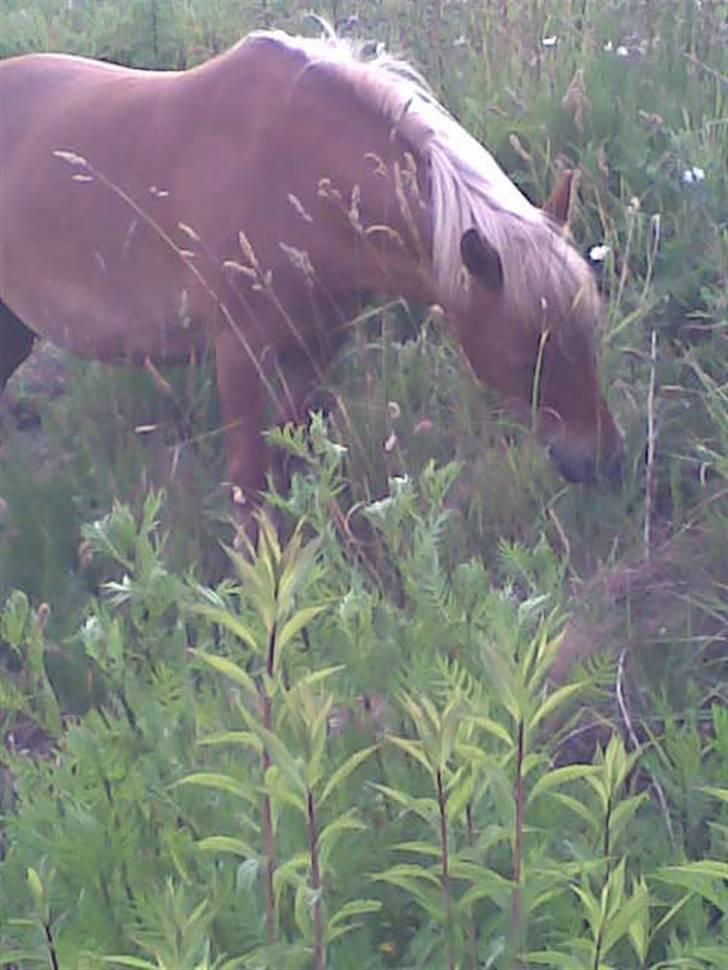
(298, 376)
(16, 342)
(242, 401)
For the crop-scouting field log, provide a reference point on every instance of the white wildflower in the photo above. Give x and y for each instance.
(694, 174)
(609, 47)
(597, 254)
(550, 41)
(622, 51)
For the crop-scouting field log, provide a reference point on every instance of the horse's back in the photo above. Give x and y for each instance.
(87, 258)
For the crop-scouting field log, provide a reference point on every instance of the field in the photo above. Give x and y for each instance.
(450, 711)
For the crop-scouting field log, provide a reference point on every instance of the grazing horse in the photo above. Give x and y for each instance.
(148, 214)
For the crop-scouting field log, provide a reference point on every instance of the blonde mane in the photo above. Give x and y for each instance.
(467, 187)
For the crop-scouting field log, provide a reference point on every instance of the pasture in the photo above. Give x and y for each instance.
(445, 709)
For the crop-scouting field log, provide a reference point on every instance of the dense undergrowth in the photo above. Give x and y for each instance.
(365, 745)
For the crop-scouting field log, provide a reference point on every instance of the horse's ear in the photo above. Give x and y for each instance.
(481, 259)
(558, 204)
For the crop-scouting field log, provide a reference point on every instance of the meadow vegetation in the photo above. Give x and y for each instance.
(448, 712)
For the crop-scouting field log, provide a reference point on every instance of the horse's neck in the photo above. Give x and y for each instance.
(389, 215)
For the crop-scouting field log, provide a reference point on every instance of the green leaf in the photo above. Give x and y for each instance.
(556, 958)
(230, 670)
(493, 727)
(330, 833)
(279, 792)
(421, 848)
(35, 886)
(401, 798)
(620, 923)
(244, 738)
(712, 868)
(405, 876)
(714, 956)
(343, 771)
(413, 749)
(671, 913)
(315, 677)
(639, 927)
(704, 877)
(230, 622)
(591, 909)
(460, 796)
(355, 907)
(559, 777)
(623, 813)
(579, 808)
(14, 618)
(290, 873)
(302, 909)
(296, 623)
(485, 884)
(291, 768)
(219, 782)
(225, 843)
(132, 962)
(555, 700)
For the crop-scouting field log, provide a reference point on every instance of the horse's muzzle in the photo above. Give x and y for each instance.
(585, 468)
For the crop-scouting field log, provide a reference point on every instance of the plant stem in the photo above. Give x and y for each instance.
(445, 877)
(472, 928)
(607, 825)
(51, 946)
(268, 844)
(318, 933)
(516, 910)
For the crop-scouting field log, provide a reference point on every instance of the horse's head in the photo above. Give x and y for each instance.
(527, 324)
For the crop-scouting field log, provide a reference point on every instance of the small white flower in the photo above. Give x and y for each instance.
(550, 41)
(393, 410)
(609, 47)
(622, 51)
(597, 254)
(693, 175)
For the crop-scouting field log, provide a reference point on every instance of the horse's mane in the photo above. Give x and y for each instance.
(467, 186)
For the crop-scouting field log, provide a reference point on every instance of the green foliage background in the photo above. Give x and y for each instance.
(350, 752)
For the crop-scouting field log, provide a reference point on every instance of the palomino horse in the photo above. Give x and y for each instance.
(146, 214)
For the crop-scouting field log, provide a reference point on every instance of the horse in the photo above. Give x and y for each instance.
(243, 203)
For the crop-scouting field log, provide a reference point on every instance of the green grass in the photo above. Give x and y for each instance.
(449, 564)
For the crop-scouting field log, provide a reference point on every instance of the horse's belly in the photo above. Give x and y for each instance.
(88, 291)
(112, 333)
(111, 322)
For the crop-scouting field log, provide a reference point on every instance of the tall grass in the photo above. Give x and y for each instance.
(385, 790)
